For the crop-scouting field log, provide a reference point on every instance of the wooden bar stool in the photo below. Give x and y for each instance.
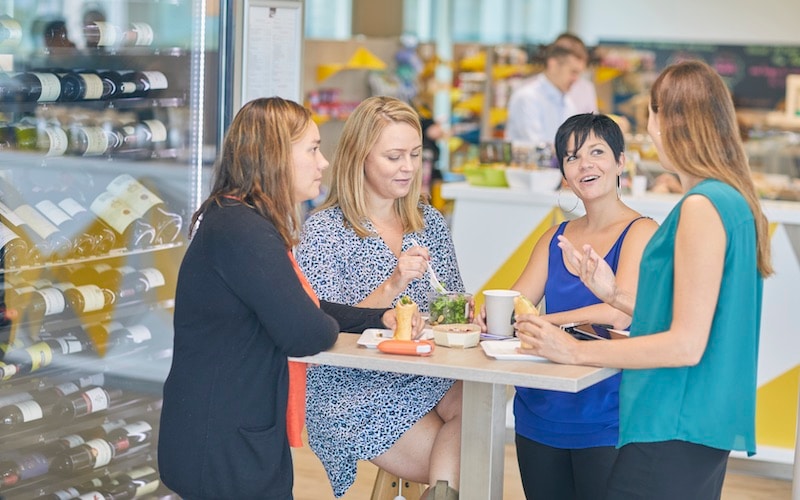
(388, 487)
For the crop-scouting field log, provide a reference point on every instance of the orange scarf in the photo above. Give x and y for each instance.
(296, 407)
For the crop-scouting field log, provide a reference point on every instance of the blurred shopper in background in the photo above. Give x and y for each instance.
(368, 245)
(540, 105)
(687, 396)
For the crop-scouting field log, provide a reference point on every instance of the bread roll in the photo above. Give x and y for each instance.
(522, 305)
(404, 309)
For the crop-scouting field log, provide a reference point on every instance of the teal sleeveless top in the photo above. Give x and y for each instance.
(712, 403)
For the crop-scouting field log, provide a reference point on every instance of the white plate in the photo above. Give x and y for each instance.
(506, 350)
(374, 336)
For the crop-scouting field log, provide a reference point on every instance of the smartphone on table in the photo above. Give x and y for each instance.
(592, 331)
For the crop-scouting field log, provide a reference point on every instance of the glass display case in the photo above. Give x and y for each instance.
(108, 118)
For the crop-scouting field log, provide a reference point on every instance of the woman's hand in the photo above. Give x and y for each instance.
(592, 269)
(480, 318)
(411, 265)
(417, 323)
(542, 338)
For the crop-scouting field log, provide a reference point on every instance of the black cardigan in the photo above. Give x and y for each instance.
(240, 311)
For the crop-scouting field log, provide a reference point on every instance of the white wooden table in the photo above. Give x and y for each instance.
(484, 403)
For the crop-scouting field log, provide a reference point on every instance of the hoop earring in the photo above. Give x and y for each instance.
(558, 201)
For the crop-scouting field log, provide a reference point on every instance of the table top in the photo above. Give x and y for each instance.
(471, 365)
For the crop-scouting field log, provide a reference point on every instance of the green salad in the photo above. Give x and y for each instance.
(449, 309)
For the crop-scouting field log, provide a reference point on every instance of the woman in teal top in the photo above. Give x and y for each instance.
(688, 387)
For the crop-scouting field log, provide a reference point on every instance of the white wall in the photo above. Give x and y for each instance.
(736, 22)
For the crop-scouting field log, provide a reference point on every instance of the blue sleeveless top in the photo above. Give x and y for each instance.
(561, 419)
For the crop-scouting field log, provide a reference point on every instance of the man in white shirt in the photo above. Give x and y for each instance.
(538, 107)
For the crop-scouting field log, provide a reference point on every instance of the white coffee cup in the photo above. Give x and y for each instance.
(500, 311)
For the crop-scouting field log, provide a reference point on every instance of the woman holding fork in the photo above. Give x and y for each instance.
(360, 248)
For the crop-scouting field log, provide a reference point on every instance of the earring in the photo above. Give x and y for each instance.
(619, 187)
(558, 201)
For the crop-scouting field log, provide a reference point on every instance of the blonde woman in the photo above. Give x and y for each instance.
(368, 245)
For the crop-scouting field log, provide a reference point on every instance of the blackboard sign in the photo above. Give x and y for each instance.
(756, 74)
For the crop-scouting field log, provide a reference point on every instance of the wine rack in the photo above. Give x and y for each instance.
(98, 166)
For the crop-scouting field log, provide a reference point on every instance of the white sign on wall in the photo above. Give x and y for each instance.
(272, 50)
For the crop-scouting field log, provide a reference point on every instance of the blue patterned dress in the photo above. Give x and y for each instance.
(354, 414)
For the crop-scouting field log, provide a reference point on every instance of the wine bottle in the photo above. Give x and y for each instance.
(86, 274)
(149, 207)
(22, 413)
(44, 352)
(138, 34)
(83, 243)
(21, 468)
(52, 140)
(92, 454)
(10, 32)
(105, 238)
(137, 285)
(13, 249)
(135, 483)
(46, 237)
(38, 87)
(52, 394)
(32, 306)
(73, 492)
(56, 35)
(89, 298)
(101, 34)
(132, 231)
(135, 433)
(150, 83)
(147, 135)
(85, 140)
(24, 134)
(91, 401)
(114, 86)
(80, 86)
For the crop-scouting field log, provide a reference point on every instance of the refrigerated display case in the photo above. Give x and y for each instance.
(109, 122)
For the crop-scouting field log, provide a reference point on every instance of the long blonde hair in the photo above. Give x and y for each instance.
(701, 136)
(256, 163)
(360, 134)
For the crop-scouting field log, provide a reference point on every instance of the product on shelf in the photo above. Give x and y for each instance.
(149, 206)
(138, 34)
(37, 87)
(132, 230)
(13, 249)
(91, 401)
(116, 85)
(31, 225)
(10, 32)
(89, 455)
(56, 35)
(101, 34)
(80, 86)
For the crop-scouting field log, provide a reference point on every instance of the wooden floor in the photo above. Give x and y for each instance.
(311, 483)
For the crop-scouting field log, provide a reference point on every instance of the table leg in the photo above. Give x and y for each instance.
(482, 441)
(795, 474)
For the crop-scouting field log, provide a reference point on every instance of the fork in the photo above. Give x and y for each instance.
(435, 283)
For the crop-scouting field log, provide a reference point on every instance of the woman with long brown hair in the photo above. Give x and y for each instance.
(687, 396)
(242, 307)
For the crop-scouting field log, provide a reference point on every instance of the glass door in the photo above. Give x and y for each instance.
(108, 117)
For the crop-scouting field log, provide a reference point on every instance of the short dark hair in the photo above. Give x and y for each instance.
(580, 126)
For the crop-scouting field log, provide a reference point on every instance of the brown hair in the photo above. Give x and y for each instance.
(360, 134)
(701, 137)
(256, 166)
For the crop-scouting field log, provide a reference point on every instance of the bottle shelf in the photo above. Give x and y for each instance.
(123, 252)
